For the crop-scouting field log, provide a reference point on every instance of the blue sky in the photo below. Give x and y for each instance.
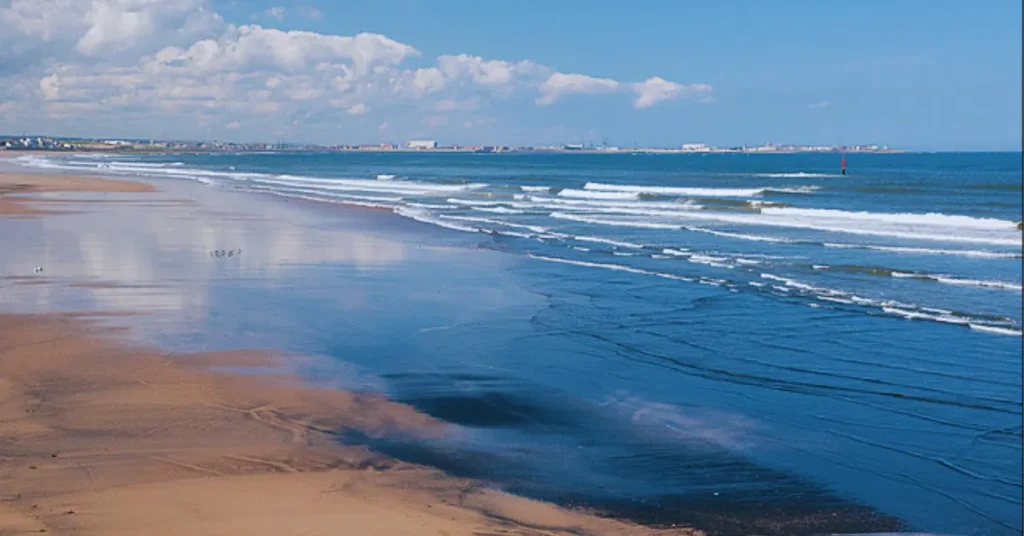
(927, 75)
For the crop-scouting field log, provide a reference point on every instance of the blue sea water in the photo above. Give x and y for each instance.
(710, 339)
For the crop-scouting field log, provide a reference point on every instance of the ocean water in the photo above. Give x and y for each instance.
(707, 339)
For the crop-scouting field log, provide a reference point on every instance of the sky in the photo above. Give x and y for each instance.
(913, 74)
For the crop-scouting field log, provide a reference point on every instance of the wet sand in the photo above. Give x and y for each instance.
(99, 435)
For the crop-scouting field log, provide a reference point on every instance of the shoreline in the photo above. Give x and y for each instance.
(316, 265)
(104, 436)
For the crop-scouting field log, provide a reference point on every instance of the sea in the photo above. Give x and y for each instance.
(743, 343)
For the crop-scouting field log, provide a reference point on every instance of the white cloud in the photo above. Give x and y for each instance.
(487, 73)
(358, 109)
(234, 125)
(559, 85)
(254, 47)
(427, 81)
(819, 104)
(49, 86)
(657, 89)
(177, 65)
(276, 12)
(101, 28)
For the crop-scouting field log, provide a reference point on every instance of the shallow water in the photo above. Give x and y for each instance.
(717, 371)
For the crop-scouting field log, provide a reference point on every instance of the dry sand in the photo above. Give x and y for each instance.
(101, 437)
(13, 184)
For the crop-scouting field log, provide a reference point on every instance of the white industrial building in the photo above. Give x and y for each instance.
(422, 144)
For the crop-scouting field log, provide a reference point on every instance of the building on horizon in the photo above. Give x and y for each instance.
(422, 144)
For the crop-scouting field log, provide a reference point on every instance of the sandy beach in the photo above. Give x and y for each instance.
(102, 435)
(13, 187)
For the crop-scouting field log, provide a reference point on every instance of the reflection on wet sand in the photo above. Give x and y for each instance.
(140, 254)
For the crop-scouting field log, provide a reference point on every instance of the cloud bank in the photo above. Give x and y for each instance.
(179, 62)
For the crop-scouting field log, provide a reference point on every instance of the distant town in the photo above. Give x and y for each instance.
(43, 143)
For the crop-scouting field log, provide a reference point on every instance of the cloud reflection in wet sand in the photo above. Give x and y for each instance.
(157, 258)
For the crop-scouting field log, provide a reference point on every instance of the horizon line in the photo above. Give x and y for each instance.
(586, 148)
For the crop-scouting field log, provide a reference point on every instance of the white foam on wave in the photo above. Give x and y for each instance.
(996, 330)
(795, 189)
(145, 165)
(741, 236)
(931, 227)
(319, 194)
(586, 194)
(475, 202)
(930, 219)
(705, 259)
(445, 221)
(404, 187)
(918, 315)
(609, 241)
(794, 283)
(33, 161)
(615, 223)
(614, 267)
(890, 307)
(963, 282)
(77, 165)
(1001, 285)
(328, 199)
(981, 254)
(673, 190)
(96, 156)
(490, 221)
(710, 260)
(796, 175)
(424, 216)
(386, 177)
(599, 205)
(642, 208)
(508, 233)
(535, 188)
(156, 169)
(498, 210)
(761, 204)
(430, 206)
